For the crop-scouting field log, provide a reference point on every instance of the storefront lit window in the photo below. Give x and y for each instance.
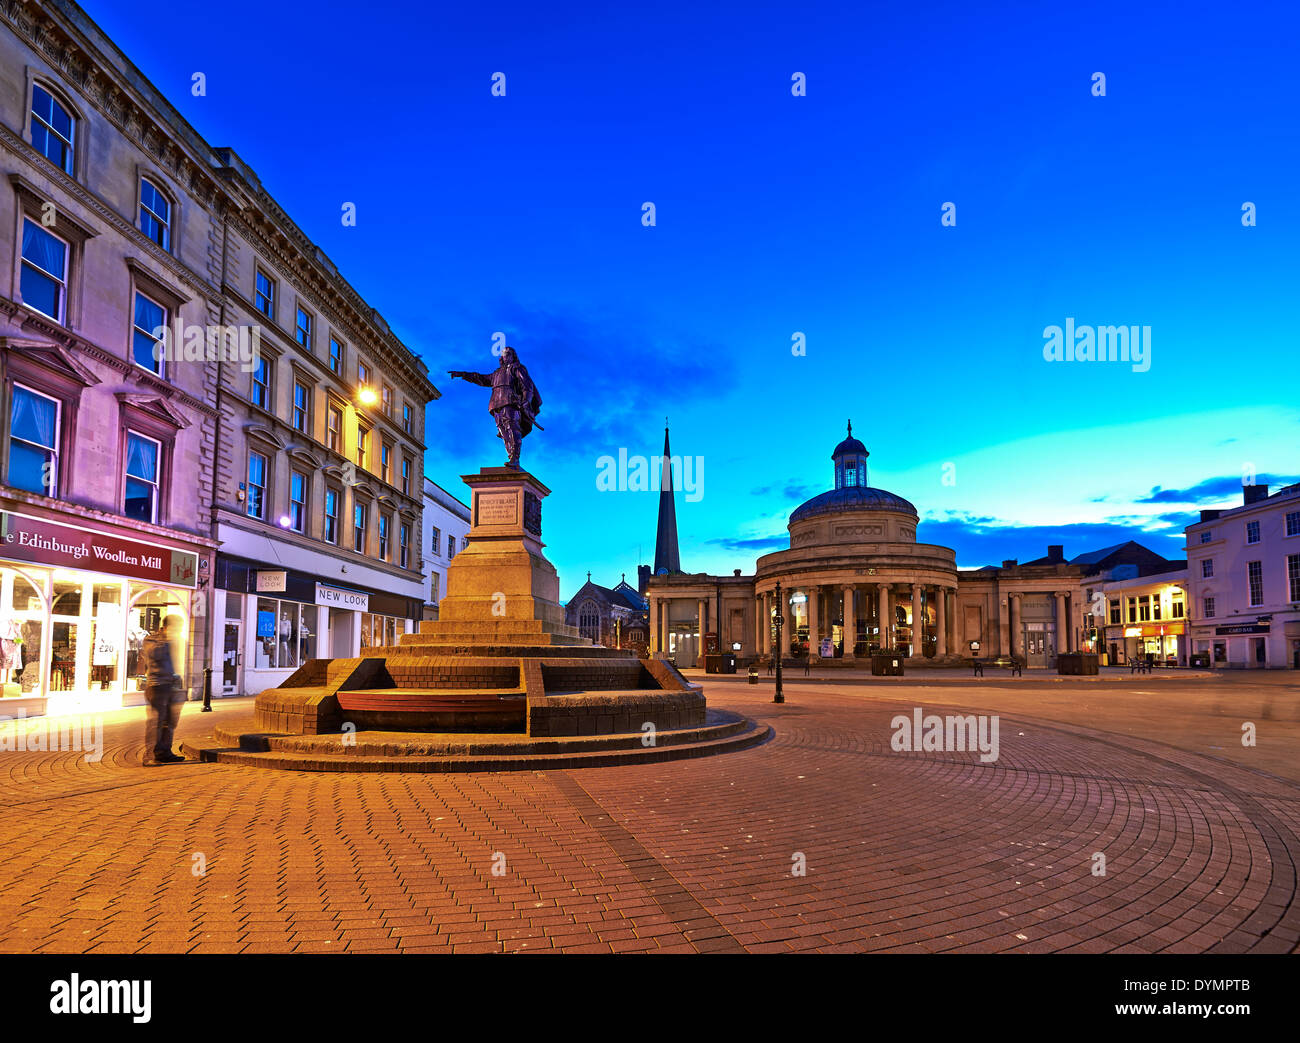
(380, 631)
(22, 633)
(76, 638)
(286, 634)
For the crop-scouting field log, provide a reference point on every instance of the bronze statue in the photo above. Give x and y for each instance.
(515, 402)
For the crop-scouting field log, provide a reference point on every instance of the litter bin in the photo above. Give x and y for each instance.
(887, 665)
(1201, 660)
(720, 663)
(753, 673)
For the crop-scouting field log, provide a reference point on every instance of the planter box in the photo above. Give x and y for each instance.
(1077, 663)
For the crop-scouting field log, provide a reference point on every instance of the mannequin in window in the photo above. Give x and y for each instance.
(287, 657)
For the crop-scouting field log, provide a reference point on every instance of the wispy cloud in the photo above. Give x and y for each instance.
(1209, 491)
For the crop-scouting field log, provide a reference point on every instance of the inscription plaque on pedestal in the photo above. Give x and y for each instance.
(496, 509)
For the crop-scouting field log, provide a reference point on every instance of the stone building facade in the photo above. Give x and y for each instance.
(200, 416)
(110, 228)
(320, 455)
(616, 617)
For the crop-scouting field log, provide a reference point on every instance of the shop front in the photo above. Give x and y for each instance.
(76, 604)
(275, 620)
(1165, 643)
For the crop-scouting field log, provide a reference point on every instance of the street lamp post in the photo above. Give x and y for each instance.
(778, 622)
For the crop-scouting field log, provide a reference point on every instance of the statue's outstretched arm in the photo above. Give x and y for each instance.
(482, 379)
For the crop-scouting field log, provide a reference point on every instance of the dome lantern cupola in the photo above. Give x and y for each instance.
(850, 458)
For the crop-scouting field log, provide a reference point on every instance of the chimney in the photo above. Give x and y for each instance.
(1254, 493)
(1209, 515)
(1055, 553)
(1009, 563)
(735, 572)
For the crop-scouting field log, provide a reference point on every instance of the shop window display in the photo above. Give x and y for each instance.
(286, 634)
(85, 647)
(22, 629)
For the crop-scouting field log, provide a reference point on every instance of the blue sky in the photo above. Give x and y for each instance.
(818, 215)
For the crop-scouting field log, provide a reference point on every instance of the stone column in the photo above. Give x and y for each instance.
(702, 622)
(917, 631)
(886, 618)
(767, 624)
(758, 624)
(940, 621)
(1016, 642)
(814, 621)
(654, 623)
(1062, 624)
(850, 623)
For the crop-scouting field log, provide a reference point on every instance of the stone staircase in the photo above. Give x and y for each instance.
(237, 744)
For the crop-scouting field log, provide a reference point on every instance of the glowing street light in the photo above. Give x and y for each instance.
(367, 396)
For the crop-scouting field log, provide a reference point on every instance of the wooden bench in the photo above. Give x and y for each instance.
(1000, 661)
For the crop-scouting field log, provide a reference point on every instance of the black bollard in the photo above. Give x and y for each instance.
(207, 689)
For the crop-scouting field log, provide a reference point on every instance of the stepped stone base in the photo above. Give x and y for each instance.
(500, 662)
(240, 743)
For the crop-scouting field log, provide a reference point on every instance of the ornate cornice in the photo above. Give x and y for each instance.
(105, 88)
(295, 257)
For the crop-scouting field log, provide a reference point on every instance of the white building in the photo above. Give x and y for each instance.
(446, 531)
(1244, 573)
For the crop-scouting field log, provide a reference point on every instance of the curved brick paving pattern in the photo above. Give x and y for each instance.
(905, 852)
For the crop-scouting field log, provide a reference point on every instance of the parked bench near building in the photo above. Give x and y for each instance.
(1010, 662)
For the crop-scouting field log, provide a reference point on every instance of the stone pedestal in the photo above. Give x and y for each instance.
(501, 584)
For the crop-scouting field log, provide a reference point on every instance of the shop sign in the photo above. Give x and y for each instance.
(1243, 628)
(336, 597)
(23, 538)
(270, 582)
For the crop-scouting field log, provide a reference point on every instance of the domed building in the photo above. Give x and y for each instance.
(856, 580)
(856, 577)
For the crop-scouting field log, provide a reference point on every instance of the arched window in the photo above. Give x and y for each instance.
(53, 129)
(155, 214)
(589, 620)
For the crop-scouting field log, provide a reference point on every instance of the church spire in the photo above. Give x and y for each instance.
(666, 557)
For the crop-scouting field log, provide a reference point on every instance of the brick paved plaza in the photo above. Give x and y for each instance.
(905, 852)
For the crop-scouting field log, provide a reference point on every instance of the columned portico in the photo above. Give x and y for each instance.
(918, 617)
(850, 618)
(814, 622)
